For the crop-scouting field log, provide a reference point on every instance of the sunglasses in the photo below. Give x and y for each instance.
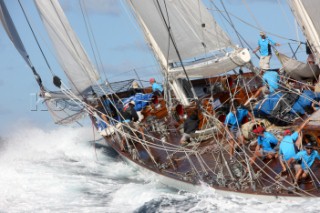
(308, 148)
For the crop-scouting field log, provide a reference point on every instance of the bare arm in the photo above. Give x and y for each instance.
(257, 148)
(251, 116)
(258, 48)
(258, 92)
(314, 106)
(301, 126)
(290, 161)
(104, 117)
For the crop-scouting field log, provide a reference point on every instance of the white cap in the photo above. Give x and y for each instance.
(132, 102)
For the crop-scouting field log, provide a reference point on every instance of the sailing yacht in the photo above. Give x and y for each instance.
(195, 55)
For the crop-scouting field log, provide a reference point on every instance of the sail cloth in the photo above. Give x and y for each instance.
(213, 66)
(308, 16)
(69, 51)
(62, 108)
(8, 25)
(65, 111)
(194, 32)
(298, 70)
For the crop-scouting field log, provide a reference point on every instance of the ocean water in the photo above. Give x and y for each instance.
(61, 171)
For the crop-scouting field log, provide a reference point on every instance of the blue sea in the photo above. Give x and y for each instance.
(61, 170)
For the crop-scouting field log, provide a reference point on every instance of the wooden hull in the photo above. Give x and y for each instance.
(206, 160)
(195, 188)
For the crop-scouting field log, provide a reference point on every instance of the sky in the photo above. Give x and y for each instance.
(121, 47)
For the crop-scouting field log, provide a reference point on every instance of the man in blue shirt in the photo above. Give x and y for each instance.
(307, 158)
(288, 148)
(156, 88)
(271, 83)
(305, 101)
(264, 46)
(271, 78)
(233, 123)
(266, 143)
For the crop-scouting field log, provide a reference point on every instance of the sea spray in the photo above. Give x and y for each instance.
(60, 170)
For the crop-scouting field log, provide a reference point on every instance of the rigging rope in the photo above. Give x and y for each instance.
(93, 44)
(34, 36)
(230, 21)
(252, 15)
(257, 28)
(167, 24)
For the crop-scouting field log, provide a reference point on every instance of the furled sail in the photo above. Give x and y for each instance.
(298, 70)
(308, 16)
(193, 33)
(69, 50)
(8, 25)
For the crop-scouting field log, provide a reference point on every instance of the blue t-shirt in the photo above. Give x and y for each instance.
(272, 79)
(233, 120)
(265, 49)
(157, 87)
(304, 100)
(307, 159)
(107, 105)
(101, 125)
(266, 140)
(287, 147)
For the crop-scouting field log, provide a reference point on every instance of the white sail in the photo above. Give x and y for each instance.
(308, 17)
(298, 70)
(12, 32)
(194, 34)
(69, 51)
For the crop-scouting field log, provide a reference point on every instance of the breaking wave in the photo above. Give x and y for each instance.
(60, 170)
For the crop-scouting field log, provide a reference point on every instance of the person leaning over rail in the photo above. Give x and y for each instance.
(288, 148)
(233, 123)
(135, 89)
(157, 88)
(131, 118)
(271, 80)
(307, 158)
(264, 47)
(266, 143)
(190, 126)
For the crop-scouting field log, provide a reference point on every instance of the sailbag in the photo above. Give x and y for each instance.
(298, 70)
(184, 31)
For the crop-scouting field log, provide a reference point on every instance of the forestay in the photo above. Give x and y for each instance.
(194, 32)
(69, 51)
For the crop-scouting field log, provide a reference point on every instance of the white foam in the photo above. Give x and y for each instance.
(49, 168)
(58, 170)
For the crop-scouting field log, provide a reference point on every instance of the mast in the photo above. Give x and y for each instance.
(308, 17)
(186, 40)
